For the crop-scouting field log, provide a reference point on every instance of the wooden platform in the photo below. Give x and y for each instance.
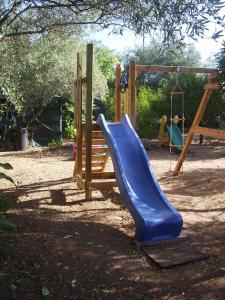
(173, 253)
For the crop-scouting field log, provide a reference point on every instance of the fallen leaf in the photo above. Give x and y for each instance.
(68, 236)
(137, 278)
(45, 291)
(111, 252)
(90, 243)
(36, 266)
(73, 283)
(13, 287)
(7, 224)
(2, 274)
(108, 290)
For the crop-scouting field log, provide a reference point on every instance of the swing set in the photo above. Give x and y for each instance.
(210, 87)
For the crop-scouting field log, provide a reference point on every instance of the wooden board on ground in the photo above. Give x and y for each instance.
(173, 253)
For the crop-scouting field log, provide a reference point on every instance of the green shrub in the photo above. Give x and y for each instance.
(148, 114)
(70, 130)
(5, 222)
(54, 144)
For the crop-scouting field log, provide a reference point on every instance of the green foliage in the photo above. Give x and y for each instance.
(221, 70)
(147, 114)
(34, 71)
(55, 144)
(106, 61)
(153, 103)
(6, 166)
(110, 103)
(175, 19)
(70, 130)
(5, 222)
(157, 54)
(154, 99)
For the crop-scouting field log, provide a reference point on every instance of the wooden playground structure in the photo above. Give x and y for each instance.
(92, 149)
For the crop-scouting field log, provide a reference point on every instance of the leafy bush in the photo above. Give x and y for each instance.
(147, 112)
(70, 130)
(5, 222)
(54, 144)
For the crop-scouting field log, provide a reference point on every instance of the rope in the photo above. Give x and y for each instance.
(177, 90)
(171, 129)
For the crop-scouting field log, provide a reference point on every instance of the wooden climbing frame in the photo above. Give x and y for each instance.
(92, 150)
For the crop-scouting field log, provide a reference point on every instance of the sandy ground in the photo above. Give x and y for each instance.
(80, 249)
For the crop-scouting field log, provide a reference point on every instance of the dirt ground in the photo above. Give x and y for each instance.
(68, 248)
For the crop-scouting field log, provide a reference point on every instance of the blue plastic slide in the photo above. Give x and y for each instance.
(155, 218)
(175, 136)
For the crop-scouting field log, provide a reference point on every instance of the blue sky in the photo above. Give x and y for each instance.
(207, 47)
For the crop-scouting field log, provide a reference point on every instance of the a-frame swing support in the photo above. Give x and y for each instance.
(195, 128)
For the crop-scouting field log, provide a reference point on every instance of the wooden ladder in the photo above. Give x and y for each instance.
(100, 151)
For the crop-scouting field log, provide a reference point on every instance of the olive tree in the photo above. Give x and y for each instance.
(174, 18)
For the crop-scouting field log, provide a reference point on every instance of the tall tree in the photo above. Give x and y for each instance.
(33, 71)
(175, 18)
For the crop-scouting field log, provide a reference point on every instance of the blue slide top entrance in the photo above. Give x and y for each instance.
(155, 218)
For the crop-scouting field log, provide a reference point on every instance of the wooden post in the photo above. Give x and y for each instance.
(132, 93)
(88, 128)
(125, 102)
(78, 118)
(209, 88)
(118, 94)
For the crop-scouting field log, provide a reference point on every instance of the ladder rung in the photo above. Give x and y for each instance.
(97, 150)
(96, 142)
(95, 157)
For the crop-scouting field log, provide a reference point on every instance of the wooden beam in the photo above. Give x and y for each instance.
(95, 127)
(212, 86)
(215, 133)
(80, 182)
(105, 160)
(125, 102)
(96, 164)
(132, 93)
(97, 134)
(101, 175)
(102, 185)
(172, 69)
(88, 119)
(95, 157)
(95, 142)
(201, 109)
(78, 118)
(118, 94)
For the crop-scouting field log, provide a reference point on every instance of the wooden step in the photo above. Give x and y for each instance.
(95, 164)
(95, 134)
(95, 142)
(97, 150)
(97, 157)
